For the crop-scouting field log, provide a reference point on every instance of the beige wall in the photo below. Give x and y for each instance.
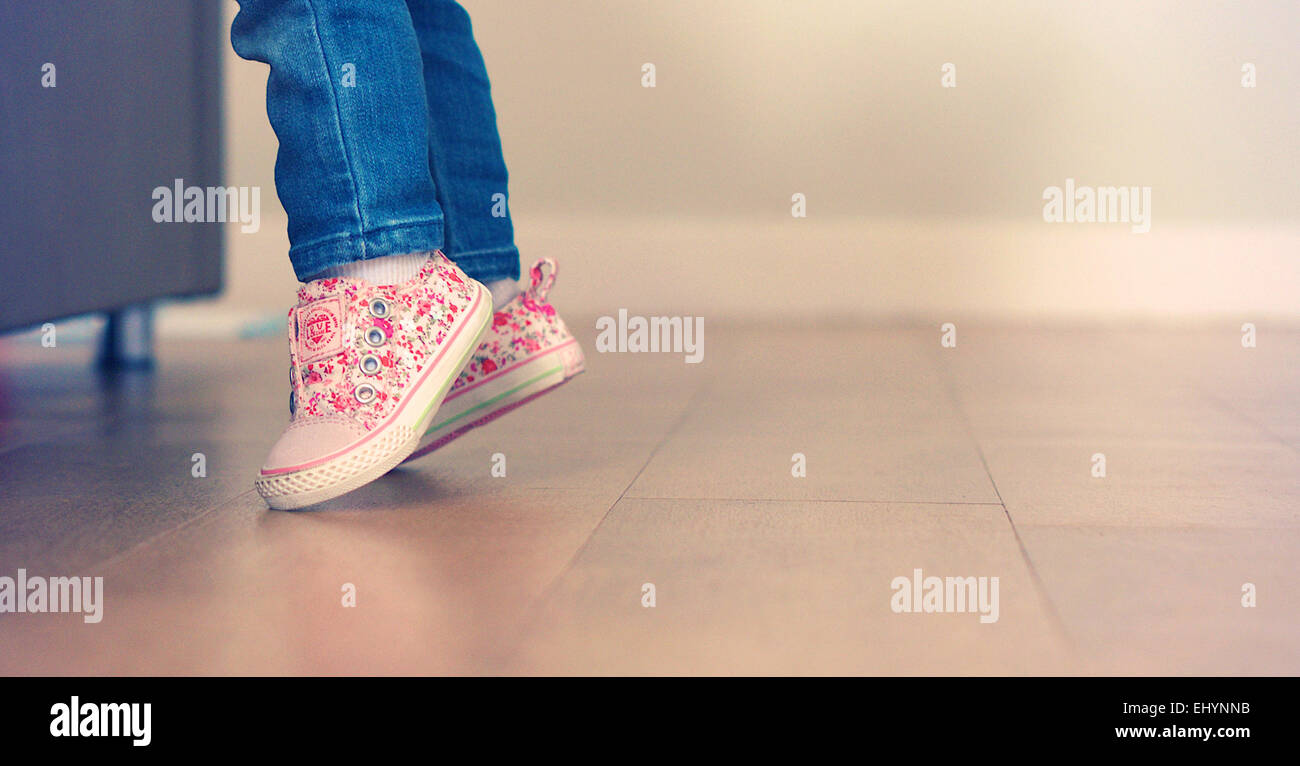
(913, 190)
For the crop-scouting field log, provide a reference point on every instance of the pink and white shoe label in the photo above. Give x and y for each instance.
(320, 329)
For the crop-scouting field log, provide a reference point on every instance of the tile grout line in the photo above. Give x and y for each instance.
(1227, 407)
(532, 611)
(1053, 615)
(1234, 412)
(122, 555)
(681, 419)
(811, 500)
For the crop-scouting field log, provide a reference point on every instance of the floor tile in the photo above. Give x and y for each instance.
(1169, 601)
(1172, 484)
(648, 469)
(787, 587)
(440, 581)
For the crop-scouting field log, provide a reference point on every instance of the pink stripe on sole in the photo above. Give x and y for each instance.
(445, 439)
(514, 366)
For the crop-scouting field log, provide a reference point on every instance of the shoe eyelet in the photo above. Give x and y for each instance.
(379, 308)
(370, 364)
(365, 393)
(376, 336)
(293, 404)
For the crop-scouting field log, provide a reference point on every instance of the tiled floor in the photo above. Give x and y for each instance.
(972, 461)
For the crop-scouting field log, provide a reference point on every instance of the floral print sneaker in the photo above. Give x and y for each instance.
(369, 366)
(527, 352)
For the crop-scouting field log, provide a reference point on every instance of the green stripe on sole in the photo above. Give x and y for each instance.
(494, 399)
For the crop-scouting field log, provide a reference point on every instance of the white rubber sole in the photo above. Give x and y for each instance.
(392, 441)
(498, 395)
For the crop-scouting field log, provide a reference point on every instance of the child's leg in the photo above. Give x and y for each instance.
(382, 328)
(347, 101)
(465, 148)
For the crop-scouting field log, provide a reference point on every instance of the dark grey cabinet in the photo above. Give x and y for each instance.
(136, 104)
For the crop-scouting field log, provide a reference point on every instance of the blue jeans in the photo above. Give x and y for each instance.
(388, 138)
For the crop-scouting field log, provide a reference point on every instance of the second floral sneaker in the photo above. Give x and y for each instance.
(369, 366)
(528, 351)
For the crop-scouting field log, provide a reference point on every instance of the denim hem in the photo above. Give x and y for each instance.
(399, 239)
(489, 265)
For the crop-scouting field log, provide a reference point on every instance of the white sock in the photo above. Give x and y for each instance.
(385, 270)
(503, 291)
